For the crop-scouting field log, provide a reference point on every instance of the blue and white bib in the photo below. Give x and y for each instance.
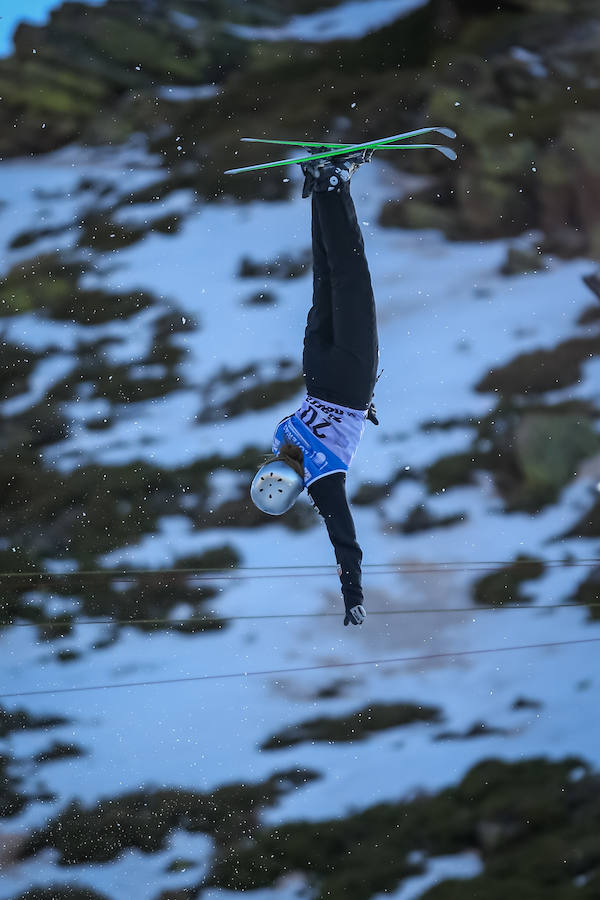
(327, 434)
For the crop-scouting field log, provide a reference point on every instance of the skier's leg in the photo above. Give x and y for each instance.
(318, 336)
(355, 341)
(320, 319)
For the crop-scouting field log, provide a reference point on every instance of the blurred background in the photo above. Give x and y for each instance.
(152, 311)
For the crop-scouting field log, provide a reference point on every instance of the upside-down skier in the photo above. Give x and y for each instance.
(314, 446)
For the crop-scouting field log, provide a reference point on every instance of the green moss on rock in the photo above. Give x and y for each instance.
(548, 449)
(450, 471)
(478, 729)
(588, 593)
(11, 801)
(145, 819)
(58, 751)
(416, 213)
(521, 260)
(588, 526)
(61, 892)
(20, 720)
(542, 370)
(510, 812)
(376, 717)
(50, 283)
(504, 585)
(288, 267)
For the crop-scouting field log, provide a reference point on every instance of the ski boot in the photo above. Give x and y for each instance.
(332, 173)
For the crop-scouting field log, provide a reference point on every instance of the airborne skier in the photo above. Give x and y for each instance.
(315, 445)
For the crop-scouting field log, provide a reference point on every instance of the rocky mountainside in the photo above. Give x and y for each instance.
(518, 80)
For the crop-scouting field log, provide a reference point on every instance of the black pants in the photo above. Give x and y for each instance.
(341, 350)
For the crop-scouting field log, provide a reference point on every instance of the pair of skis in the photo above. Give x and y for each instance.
(320, 150)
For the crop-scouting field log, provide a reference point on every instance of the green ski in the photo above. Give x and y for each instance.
(447, 132)
(346, 149)
(448, 152)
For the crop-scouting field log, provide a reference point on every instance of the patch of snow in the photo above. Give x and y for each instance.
(43, 376)
(348, 21)
(439, 868)
(179, 93)
(183, 20)
(533, 61)
(144, 213)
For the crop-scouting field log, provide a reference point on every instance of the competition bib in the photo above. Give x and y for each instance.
(327, 434)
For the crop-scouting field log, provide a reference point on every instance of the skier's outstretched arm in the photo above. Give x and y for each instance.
(329, 496)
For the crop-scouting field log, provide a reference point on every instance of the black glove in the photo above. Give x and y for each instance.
(372, 414)
(356, 615)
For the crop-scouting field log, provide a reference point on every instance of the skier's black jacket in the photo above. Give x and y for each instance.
(329, 496)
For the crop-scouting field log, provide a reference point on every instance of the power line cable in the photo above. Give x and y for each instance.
(216, 617)
(265, 672)
(215, 573)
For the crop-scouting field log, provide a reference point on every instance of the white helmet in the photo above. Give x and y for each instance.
(276, 487)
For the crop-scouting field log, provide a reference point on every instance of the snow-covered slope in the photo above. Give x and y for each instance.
(346, 21)
(446, 316)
